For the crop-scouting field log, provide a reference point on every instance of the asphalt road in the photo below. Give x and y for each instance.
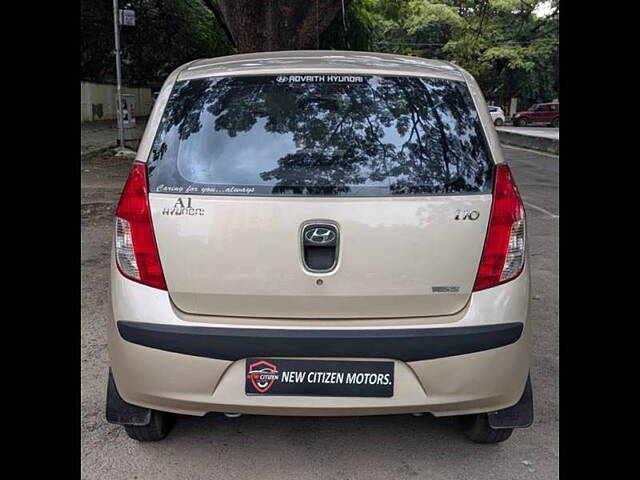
(534, 131)
(386, 447)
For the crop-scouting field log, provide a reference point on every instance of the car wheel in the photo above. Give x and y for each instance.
(498, 122)
(476, 428)
(159, 426)
(556, 123)
(521, 122)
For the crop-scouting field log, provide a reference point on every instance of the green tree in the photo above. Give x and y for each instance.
(353, 30)
(167, 34)
(508, 48)
(512, 51)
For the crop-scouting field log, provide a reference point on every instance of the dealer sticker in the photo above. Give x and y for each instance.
(320, 79)
(335, 378)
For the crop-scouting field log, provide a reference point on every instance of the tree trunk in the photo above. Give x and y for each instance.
(268, 25)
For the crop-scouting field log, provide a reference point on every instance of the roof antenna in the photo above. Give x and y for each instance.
(344, 23)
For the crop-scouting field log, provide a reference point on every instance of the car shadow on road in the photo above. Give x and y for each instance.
(369, 447)
(249, 432)
(403, 446)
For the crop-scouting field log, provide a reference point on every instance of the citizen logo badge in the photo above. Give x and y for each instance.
(262, 375)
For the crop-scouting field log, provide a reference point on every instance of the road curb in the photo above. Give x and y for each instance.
(549, 145)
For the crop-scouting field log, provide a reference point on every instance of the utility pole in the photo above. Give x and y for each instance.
(116, 27)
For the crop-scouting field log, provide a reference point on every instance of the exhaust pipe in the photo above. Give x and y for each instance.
(232, 415)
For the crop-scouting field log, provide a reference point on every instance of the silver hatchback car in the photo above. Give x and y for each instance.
(320, 233)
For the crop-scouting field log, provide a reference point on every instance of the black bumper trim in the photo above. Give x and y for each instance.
(408, 345)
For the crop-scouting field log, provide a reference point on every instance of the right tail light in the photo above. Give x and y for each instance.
(504, 247)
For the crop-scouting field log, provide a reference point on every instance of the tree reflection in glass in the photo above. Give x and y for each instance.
(378, 136)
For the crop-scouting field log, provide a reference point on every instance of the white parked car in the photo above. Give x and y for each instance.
(320, 233)
(497, 115)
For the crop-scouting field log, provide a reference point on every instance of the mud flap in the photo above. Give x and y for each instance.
(518, 416)
(121, 412)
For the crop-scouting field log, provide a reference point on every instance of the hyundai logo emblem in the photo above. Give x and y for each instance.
(319, 242)
(320, 235)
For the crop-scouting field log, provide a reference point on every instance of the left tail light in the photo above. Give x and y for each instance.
(136, 250)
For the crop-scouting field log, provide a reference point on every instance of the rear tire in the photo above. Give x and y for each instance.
(476, 428)
(159, 426)
(521, 122)
(499, 122)
(556, 123)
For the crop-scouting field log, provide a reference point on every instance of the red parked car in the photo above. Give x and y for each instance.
(547, 113)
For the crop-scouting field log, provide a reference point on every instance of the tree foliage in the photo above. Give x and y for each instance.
(167, 34)
(512, 51)
(508, 48)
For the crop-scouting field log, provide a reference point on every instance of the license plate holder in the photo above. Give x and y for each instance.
(332, 378)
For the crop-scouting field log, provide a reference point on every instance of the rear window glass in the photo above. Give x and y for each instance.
(319, 135)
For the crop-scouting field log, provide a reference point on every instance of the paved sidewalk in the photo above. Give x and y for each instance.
(541, 139)
(99, 136)
(553, 133)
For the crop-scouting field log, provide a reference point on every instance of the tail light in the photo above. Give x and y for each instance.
(504, 248)
(136, 250)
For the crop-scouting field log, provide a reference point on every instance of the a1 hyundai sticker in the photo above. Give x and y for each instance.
(336, 378)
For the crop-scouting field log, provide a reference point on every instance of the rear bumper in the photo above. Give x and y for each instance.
(407, 345)
(474, 361)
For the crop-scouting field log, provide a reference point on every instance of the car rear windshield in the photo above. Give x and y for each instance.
(320, 135)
